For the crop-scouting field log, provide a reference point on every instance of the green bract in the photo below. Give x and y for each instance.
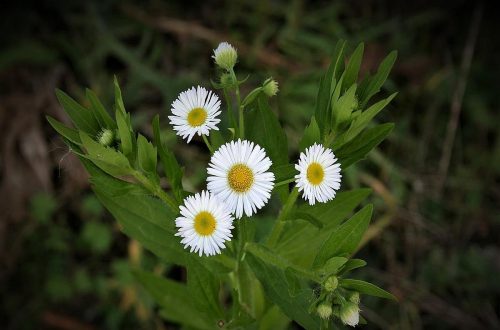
(297, 270)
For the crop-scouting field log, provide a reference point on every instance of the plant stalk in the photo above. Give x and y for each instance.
(280, 222)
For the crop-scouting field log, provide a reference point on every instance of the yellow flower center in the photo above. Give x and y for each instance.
(204, 223)
(240, 178)
(197, 117)
(315, 173)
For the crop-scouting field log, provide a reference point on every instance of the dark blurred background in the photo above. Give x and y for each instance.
(434, 239)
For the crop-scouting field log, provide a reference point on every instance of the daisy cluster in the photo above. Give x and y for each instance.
(239, 180)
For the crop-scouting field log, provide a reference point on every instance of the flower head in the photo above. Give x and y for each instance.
(324, 311)
(331, 283)
(238, 175)
(349, 314)
(195, 111)
(270, 87)
(204, 224)
(225, 56)
(319, 174)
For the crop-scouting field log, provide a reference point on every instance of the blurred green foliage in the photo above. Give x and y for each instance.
(437, 250)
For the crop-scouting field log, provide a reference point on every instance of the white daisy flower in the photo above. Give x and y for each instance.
(205, 224)
(195, 111)
(225, 55)
(238, 176)
(319, 174)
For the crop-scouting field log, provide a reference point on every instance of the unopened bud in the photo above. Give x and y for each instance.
(225, 56)
(331, 283)
(270, 87)
(349, 314)
(354, 297)
(324, 311)
(105, 137)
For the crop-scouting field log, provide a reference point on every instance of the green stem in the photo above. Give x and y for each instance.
(284, 182)
(230, 110)
(241, 118)
(280, 222)
(156, 190)
(209, 146)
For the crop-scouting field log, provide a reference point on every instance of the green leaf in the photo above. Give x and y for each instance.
(366, 288)
(322, 112)
(362, 120)
(361, 145)
(264, 129)
(302, 241)
(251, 295)
(204, 290)
(125, 133)
(172, 169)
(331, 267)
(377, 81)
(345, 238)
(274, 319)
(276, 286)
(175, 299)
(352, 264)
(343, 107)
(352, 69)
(216, 139)
(81, 116)
(311, 135)
(306, 217)
(106, 158)
(146, 155)
(118, 97)
(100, 112)
(66, 132)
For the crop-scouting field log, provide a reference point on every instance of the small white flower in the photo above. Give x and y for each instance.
(225, 56)
(195, 111)
(319, 174)
(238, 176)
(349, 314)
(205, 224)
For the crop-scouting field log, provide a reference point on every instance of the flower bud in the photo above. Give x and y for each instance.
(225, 56)
(105, 137)
(331, 283)
(354, 297)
(270, 87)
(324, 311)
(349, 314)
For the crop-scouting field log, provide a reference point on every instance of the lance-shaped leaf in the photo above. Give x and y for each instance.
(372, 85)
(82, 117)
(100, 112)
(352, 69)
(172, 169)
(302, 241)
(146, 156)
(345, 238)
(125, 133)
(175, 300)
(106, 158)
(361, 145)
(66, 132)
(325, 90)
(204, 289)
(277, 282)
(366, 288)
(311, 135)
